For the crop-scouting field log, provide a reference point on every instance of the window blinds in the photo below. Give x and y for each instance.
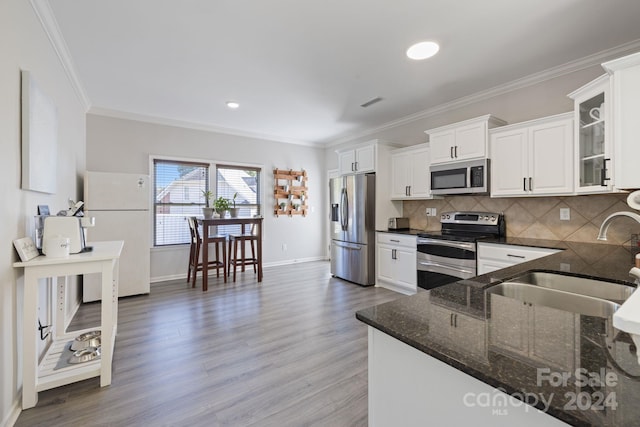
(244, 183)
(178, 188)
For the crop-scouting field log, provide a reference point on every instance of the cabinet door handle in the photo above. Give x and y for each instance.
(603, 174)
(393, 254)
(351, 166)
(356, 166)
(530, 186)
(451, 154)
(408, 190)
(451, 319)
(524, 184)
(455, 151)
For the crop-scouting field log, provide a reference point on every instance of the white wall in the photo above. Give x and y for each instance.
(538, 100)
(119, 145)
(24, 45)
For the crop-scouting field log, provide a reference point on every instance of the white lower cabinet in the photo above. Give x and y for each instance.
(494, 256)
(396, 262)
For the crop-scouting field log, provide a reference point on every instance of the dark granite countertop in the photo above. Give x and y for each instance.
(512, 346)
(410, 231)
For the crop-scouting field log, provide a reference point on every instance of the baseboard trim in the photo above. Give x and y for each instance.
(294, 261)
(13, 415)
(183, 276)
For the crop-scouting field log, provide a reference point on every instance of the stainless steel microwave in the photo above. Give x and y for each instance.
(470, 177)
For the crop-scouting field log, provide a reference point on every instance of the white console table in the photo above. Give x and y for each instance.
(49, 373)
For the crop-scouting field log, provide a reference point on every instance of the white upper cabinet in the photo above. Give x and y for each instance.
(625, 113)
(594, 162)
(533, 158)
(410, 178)
(361, 159)
(461, 141)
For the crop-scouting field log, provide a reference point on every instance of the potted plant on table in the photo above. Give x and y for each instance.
(222, 205)
(207, 211)
(234, 211)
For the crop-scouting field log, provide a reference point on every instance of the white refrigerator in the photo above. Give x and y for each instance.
(119, 202)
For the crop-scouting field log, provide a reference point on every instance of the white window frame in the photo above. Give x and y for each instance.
(213, 173)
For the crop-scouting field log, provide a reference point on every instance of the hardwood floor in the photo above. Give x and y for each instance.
(287, 352)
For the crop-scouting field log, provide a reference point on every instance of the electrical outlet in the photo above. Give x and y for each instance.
(431, 211)
(565, 214)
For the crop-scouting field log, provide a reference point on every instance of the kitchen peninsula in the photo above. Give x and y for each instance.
(459, 354)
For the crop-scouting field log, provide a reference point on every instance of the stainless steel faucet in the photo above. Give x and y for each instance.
(607, 222)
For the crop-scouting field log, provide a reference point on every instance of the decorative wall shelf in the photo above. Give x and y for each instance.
(290, 192)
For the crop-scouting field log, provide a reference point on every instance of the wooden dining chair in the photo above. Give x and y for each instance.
(195, 264)
(242, 261)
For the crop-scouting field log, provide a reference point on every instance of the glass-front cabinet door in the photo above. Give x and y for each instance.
(594, 163)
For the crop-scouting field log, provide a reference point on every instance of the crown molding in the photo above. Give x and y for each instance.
(117, 114)
(50, 25)
(542, 76)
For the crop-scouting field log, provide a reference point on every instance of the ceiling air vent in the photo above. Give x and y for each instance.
(371, 102)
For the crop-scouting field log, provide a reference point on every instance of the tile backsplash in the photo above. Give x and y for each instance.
(536, 217)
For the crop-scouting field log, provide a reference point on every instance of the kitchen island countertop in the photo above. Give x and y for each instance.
(592, 346)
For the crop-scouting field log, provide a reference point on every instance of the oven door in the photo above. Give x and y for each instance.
(440, 262)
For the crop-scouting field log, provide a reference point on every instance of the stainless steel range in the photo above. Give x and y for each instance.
(449, 255)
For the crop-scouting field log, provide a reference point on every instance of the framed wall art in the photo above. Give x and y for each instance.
(39, 137)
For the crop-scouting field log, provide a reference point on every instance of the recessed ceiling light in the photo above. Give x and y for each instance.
(423, 50)
(232, 104)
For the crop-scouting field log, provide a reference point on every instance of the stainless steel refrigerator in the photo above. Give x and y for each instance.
(352, 199)
(120, 204)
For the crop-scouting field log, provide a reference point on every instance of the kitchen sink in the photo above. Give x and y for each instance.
(602, 289)
(558, 299)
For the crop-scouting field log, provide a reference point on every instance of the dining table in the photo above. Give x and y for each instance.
(206, 223)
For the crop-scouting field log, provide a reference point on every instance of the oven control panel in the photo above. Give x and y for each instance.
(477, 218)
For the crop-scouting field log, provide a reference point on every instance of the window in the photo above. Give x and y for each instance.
(244, 183)
(178, 187)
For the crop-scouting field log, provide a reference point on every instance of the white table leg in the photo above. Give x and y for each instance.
(107, 323)
(30, 340)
